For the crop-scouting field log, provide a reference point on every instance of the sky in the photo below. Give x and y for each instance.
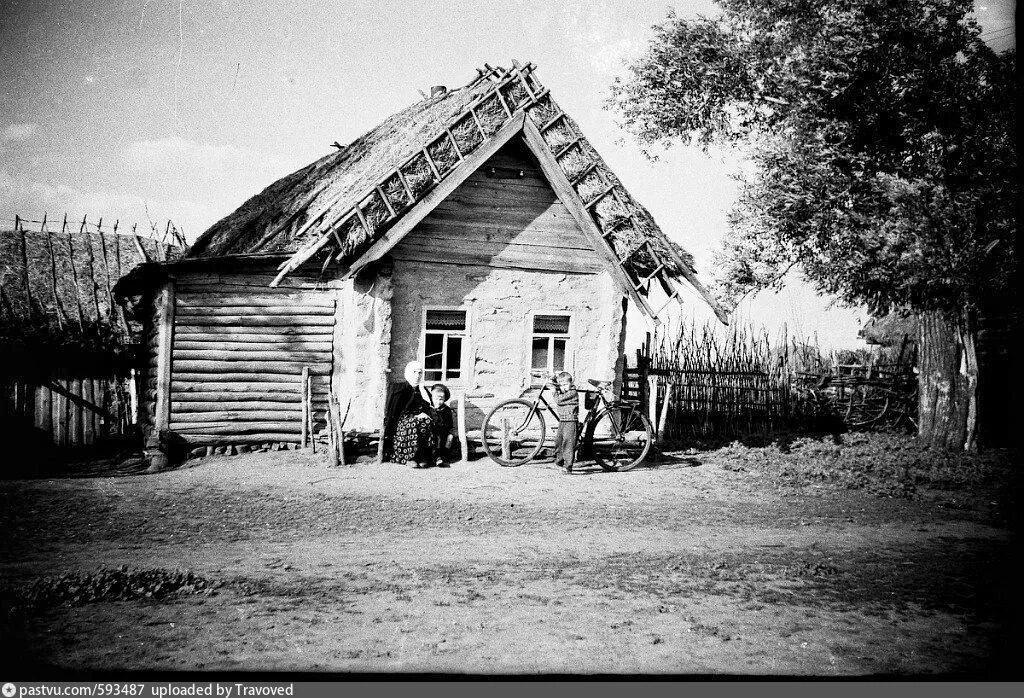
(148, 110)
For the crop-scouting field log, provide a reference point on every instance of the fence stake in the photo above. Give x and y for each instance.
(303, 380)
(506, 451)
(652, 399)
(463, 437)
(664, 412)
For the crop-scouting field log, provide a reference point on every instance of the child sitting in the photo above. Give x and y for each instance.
(568, 408)
(441, 421)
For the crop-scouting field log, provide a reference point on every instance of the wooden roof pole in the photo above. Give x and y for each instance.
(438, 194)
(570, 198)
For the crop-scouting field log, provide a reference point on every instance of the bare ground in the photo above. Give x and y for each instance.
(810, 559)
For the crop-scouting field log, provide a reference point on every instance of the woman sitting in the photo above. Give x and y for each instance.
(407, 424)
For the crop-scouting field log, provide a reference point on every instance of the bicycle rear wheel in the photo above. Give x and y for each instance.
(513, 432)
(620, 438)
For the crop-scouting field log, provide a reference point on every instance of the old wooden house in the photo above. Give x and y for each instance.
(476, 231)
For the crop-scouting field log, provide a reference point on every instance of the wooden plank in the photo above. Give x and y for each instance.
(528, 256)
(564, 244)
(88, 416)
(569, 197)
(495, 262)
(60, 416)
(554, 217)
(165, 324)
(338, 366)
(75, 413)
(44, 409)
(436, 195)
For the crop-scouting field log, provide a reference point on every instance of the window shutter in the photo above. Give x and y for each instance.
(446, 320)
(551, 324)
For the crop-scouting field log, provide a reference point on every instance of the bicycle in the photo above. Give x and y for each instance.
(615, 433)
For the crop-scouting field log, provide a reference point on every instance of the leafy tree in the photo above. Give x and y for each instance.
(882, 138)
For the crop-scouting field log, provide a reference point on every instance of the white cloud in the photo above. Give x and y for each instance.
(31, 198)
(178, 155)
(17, 132)
(599, 36)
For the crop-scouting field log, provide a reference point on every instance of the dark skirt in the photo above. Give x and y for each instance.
(412, 435)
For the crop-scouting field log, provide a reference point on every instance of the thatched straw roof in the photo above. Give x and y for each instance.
(342, 177)
(289, 216)
(54, 286)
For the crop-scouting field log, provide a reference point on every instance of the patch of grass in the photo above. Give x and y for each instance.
(887, 465)
(119, 584)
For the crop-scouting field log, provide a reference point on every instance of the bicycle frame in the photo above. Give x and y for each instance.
(592, 415)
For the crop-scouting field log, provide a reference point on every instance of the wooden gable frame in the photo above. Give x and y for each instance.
(519, 125)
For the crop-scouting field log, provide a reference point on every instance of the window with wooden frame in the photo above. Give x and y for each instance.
(444, 338)
(550, 345)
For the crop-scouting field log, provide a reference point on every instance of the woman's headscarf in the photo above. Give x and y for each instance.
(410, 368)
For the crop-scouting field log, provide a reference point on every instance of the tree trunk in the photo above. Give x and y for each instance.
(947, 383)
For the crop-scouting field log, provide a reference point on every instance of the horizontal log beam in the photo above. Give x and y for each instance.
(254, 346)
(256, 299)
(282, 355)
(283, 332)
(206, 402)
(183, 377)
(235, 416)
(224, 440)
(194, 319)
(251, 367)
(296, 311)
(214, 390)
(229, 428)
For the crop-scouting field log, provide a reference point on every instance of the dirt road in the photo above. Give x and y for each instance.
(714, 563)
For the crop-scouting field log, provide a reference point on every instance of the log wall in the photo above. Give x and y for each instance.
(237, 356)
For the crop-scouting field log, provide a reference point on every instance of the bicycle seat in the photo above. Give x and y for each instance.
(599, 384)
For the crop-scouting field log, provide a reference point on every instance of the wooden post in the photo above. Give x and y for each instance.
(309, 409)
(463, 436)
(165, 342)
(304, 379)
(76, 418)
(24, 261)
(506, 451)
(332, 439)
(664, 412)
(44, 407)
(74, 275)
(88, 416)
(652, 399)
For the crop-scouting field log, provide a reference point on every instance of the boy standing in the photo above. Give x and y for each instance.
(568, 408)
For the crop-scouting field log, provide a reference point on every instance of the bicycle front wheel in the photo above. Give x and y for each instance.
(620, 438)
(513, 432)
